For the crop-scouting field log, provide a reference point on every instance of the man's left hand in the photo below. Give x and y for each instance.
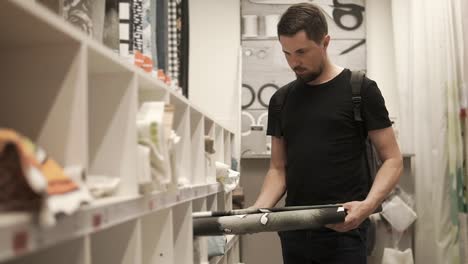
(357, 212)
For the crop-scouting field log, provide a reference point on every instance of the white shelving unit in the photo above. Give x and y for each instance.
(78, 100)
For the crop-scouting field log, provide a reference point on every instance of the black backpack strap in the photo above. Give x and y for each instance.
(357, 78)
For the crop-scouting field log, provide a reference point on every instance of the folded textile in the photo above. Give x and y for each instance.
(227, 177)
(398, 213)
(153, 134)
(216, 246)
(395, 256)
(22, 186)
(102, 186)
(32, 181)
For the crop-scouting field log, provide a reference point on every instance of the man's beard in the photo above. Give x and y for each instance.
(310, 76)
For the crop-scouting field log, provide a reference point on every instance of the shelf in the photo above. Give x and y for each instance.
(268, 156)
(157, 238)
(183, 233)
(112, 108)
(78, 100)
(259, 38)
(256, 156)
(197, 135)
(100, 215)
(200, 244)
(73, 252)
(123, 248)
(231, 241)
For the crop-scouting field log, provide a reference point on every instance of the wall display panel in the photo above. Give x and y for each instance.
(265, 68)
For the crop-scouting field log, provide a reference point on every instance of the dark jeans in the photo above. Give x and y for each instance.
(324, 246)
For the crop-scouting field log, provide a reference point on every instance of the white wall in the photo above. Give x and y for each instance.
(214, 74)
(380, 51)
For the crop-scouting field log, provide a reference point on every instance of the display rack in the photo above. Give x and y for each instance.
(78, 100)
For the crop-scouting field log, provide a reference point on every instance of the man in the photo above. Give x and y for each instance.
(318, 151)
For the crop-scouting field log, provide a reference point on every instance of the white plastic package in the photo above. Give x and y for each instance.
(395, 256)
(398, 213)
(151, 133)
(227, 177)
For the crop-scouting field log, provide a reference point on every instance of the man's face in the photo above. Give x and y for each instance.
(305, 57)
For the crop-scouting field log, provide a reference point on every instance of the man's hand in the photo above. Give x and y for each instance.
(357, 213)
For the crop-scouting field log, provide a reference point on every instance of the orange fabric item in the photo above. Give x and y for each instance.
(139, 59)
(57, 181)
(16, 192)
(147, 64)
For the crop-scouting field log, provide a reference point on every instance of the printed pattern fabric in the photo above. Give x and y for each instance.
(173, 66)
(79, 12)
(125, 27)
(137, 24)
(162, 33)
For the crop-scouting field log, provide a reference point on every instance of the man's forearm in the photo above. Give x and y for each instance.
(386, 179)
(274, 187)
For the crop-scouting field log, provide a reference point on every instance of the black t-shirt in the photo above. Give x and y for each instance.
(324, 149)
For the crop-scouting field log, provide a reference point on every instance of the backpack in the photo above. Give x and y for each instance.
(357, 77)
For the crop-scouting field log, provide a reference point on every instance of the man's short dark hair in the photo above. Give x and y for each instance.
(304, 16)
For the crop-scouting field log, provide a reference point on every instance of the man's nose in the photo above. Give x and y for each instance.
(294, 62)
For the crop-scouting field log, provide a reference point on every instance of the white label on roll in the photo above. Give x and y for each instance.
(264, 219)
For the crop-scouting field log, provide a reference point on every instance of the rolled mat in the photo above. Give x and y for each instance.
(268, 222)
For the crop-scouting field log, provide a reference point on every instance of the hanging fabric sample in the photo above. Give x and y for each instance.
(184, 44)
(137, 25)
(110, 33)
(173, 66)
(146, 28)
(162, 34)
(154, 22)
(79, 13)
(125, 27)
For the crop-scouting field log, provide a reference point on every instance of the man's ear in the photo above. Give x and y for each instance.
(326, 41)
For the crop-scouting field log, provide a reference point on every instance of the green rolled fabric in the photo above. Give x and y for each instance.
(268, 222)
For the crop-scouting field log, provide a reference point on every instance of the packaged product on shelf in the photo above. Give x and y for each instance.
(227, 177)
(397, 212)
(33, 181)
(151, 133)
(145, 182)
(102, 186)
(209, 145)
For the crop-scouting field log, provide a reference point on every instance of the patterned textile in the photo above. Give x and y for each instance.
(137, 25)
(162, 34)
(173, 65)
(183, 41)
(79, 12)
(111, 25)
(125, 27)
(153, 20)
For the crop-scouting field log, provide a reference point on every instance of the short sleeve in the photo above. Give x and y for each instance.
(373, 107)
(274, 116)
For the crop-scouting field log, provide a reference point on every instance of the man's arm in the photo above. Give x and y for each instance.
(389, 174)
(386, 179)
(274, 184)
